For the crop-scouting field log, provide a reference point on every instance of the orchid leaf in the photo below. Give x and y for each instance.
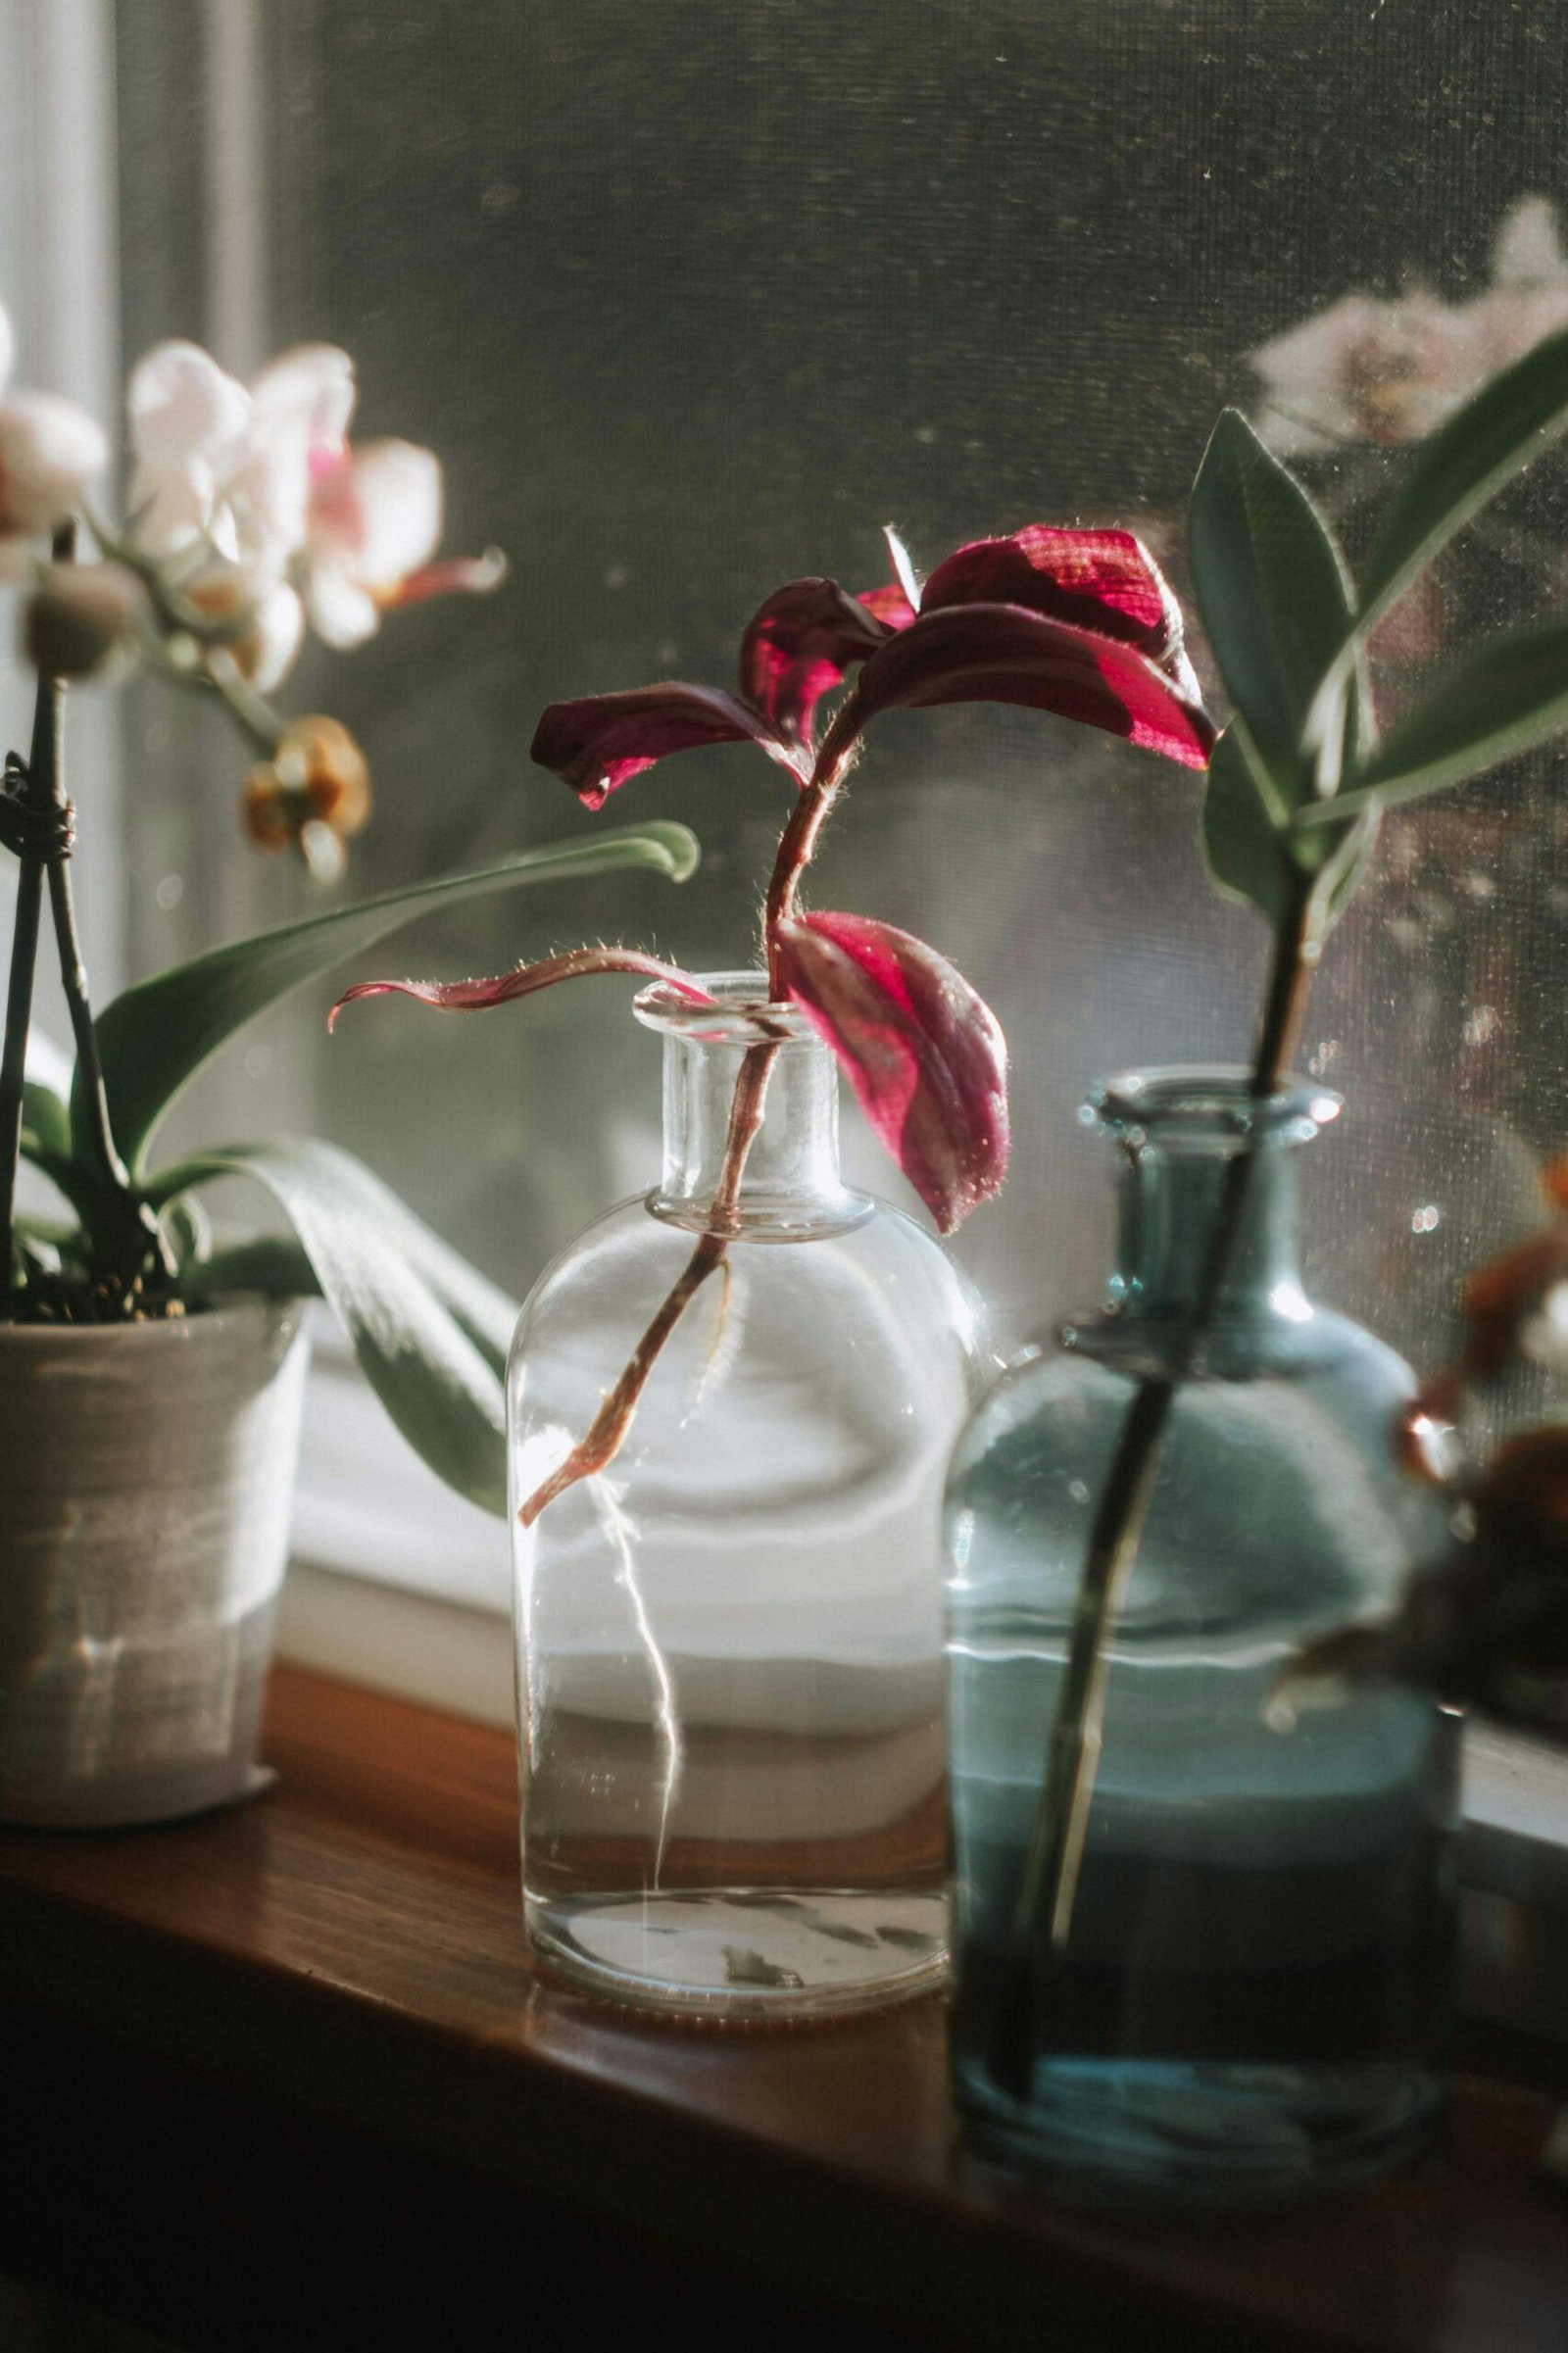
(1456, 469)
(598, 744)
(45, 1105)
(154, 1038)
(430, 1334)
(63, 1171)
(477, 995)
(1507, 696)
(1103, 580)
(1276, 597)
(272, 1263)
(1003, 654)
(924, 1053)
(798, 647)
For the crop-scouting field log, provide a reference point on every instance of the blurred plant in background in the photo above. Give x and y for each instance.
(251, 517)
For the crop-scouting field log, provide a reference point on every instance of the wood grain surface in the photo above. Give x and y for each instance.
(329, 1987)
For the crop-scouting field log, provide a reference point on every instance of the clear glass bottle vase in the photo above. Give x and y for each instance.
(729, 1642)
(1252, 1993)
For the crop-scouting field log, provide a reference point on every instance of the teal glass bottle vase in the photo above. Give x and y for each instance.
(1251, 1995)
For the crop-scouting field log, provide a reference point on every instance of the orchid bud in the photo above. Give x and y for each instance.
(49, 452)
(260, 623)
(317, 779)
(83, 620)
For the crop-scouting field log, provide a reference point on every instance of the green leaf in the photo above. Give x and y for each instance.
(273, 1263)
(1244, 842)
(1505, 697)
(45, 1088)
(64, 1172)
(155, 1038)
(1341, 874)
(1465, 463)
(383, 1274)
(1276, 597)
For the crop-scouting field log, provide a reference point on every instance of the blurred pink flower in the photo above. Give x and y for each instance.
(266, 477)
(1390, 372)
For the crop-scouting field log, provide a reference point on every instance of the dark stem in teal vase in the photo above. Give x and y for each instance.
(1047, 1895)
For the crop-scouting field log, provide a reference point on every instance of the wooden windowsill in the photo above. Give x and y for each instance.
(312, 2024)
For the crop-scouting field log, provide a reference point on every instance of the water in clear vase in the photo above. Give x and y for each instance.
(1248, 1996)
(729, 1641)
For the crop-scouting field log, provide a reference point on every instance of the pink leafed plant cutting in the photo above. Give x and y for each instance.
(730, 1401)
(1076, 622)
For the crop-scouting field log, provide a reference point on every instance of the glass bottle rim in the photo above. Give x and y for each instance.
(741, 1014)
(1207, 1104)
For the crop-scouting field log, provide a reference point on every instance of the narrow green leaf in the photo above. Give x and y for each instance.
(1510, 693)
(1244, 846)
(1341, 873)
(154, 1039)
(1275, 594)
(46, 1229)
(64, 1172)
(1465, 463)
(273, 1263)
(376, 1264)
(45, 1090)
(1254, 856)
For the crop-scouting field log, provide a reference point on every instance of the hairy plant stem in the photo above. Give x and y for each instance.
(603, 1441)
(1042, 1921)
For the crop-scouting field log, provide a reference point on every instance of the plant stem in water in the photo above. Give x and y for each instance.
(1048, 1890)
(603, 1442)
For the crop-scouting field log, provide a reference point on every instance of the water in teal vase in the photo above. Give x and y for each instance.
(1253, 1994)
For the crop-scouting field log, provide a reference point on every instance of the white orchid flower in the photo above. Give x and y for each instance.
(1392, 371)
(266, 476)
(50, 450)
(375, 523)
(1370, 371)
(263, 613)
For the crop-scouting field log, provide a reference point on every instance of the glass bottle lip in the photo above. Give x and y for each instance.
(1207, 1105)
(741, 1013)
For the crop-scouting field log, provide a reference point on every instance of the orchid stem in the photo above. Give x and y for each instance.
(39, 793)
(1042, 1924)
(252, 713)
(121, 1220)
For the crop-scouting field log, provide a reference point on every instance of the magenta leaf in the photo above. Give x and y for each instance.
(798, 647)
(925, 1056)
(477, 996)
(902, 565)
(890, 605)
(1101, 580)
(596, 744)
(1003, 653)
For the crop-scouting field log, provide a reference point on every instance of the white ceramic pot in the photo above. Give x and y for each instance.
(146, 1475)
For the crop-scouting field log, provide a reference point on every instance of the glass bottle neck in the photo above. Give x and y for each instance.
(1173, 1198)
(790, 1185)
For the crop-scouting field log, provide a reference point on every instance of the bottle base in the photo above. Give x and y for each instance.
(745, 1952)
(1184, 2132)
